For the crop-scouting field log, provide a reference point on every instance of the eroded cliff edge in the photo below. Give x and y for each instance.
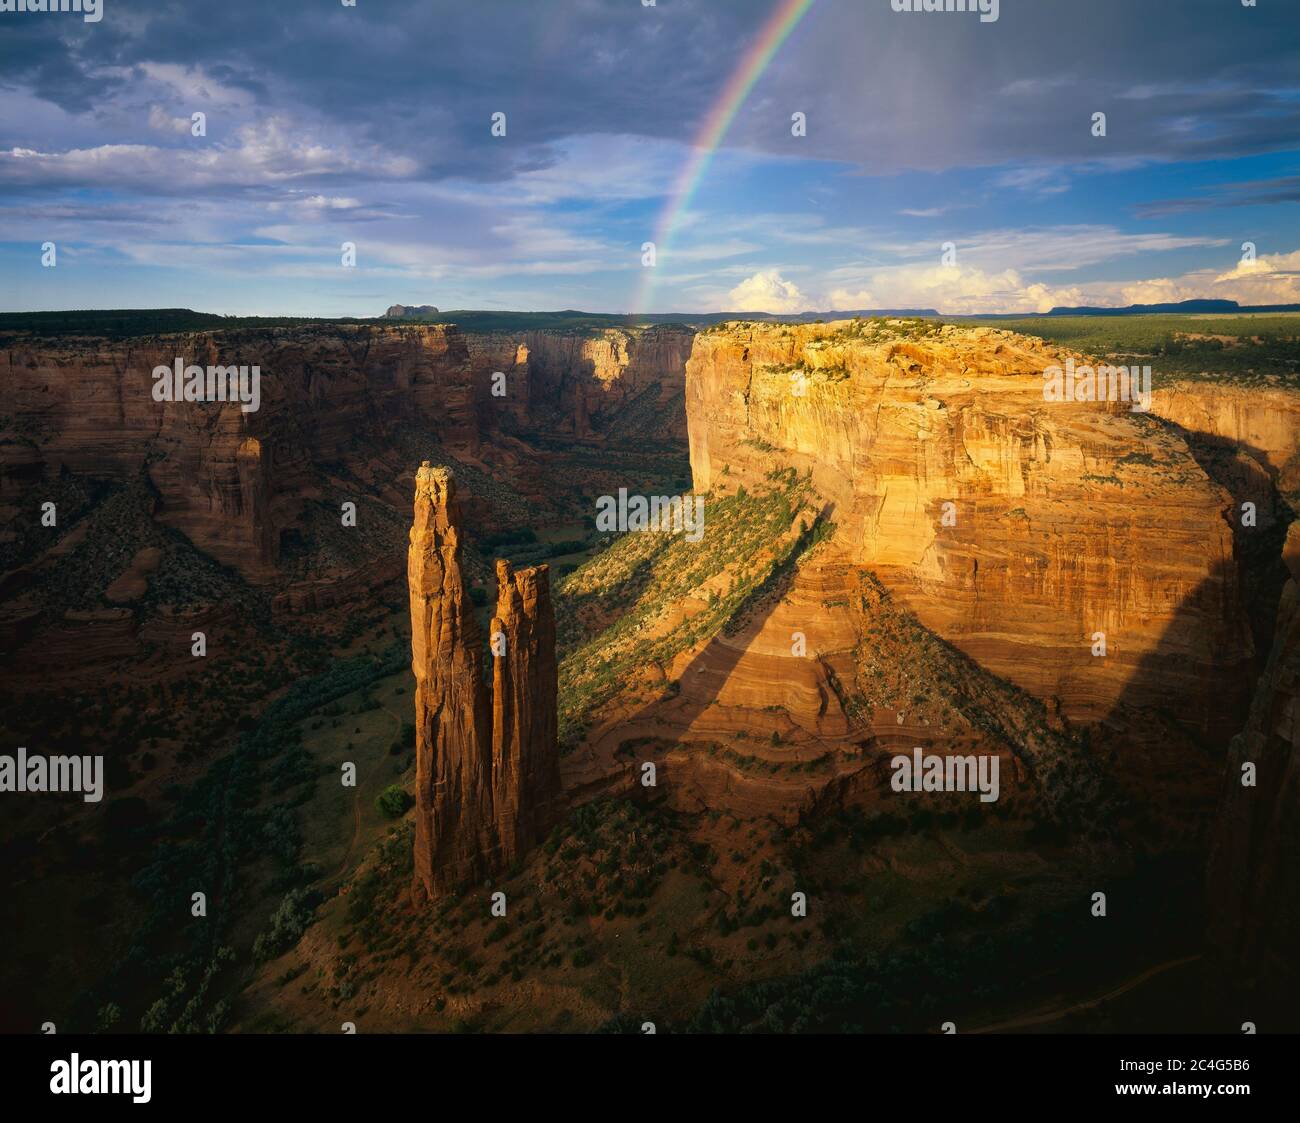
(1017, 528)
(532, 420)
(239, 484)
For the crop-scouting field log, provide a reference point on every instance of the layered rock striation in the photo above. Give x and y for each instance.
(1246, 438)
(487, 765)
(239, 484)
(525, 687)
(1264, 421)
(610, 382)
(1022, 530)
(233, 481)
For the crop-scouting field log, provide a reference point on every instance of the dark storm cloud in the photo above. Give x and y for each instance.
(419, 78)
(52, 61)
(1187, 79)
(886, 91)
(1265, 192)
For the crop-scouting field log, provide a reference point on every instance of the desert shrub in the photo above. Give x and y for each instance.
(287, 925)
(393, 801)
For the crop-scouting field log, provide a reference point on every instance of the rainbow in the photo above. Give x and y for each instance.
(775, 32)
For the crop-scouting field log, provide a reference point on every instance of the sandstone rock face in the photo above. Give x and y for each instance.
(1265, 421)
(525, 685)
(1015, 527)
(231, 480)
(597, 377)
(237, 483)
(584, 385)
(765, 731)
(487, 774)
(453, 793)
(493, 355)
(1247, 438)
(1253, 891)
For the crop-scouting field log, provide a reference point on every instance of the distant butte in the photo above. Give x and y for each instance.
(399, 310)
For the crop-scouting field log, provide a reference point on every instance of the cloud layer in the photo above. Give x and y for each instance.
(373, 124)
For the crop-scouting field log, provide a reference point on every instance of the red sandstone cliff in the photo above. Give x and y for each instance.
(1066, 519)
(487, 773)
(230, 480)
(593, 381)
(1263, 420)
(236, 483)
(525, 685)
(453, 795)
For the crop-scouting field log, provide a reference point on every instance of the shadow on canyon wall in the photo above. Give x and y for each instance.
(1247, 972)
(1243, 471)
(1207, 698)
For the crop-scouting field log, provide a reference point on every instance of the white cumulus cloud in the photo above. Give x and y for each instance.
(767, 291)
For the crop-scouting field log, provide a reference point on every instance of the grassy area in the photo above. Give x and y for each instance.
(370, 728)
(611, 609)
(1237, 348)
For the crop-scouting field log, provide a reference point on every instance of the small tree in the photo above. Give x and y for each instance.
(393, 801)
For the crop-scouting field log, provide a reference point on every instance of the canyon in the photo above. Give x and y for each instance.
(346, 412)
(237, 485)
(905, 548)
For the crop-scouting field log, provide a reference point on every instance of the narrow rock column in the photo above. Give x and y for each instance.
(525, 764)
(453, 811)
(487, 774)
(255, 500)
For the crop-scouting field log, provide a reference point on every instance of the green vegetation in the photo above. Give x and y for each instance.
(519, 536)
(642, 575)
(884, 329)
(394, 801)
(379, 886)
(219, 831)
(904, 666)
(288, 923)
(127, 322)
(1215, 347)
(604, 862)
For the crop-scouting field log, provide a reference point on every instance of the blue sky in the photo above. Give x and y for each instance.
(372, 125)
